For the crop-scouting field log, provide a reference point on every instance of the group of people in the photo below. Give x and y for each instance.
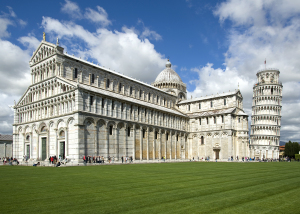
(100, 159)
(94, 159)
(9, 160)
(53, 159)
(126, 159)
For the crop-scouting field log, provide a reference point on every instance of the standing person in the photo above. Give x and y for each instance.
(131, 159)
(122, 159)
(113, 159)
(84, 159)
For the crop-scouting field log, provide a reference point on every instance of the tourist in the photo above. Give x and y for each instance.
(122, 159)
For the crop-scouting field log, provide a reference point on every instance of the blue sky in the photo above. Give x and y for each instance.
(213, 45)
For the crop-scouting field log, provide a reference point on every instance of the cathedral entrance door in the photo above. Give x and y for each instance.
(28, 151)
(62, 149)
(217, 151)
(44, 154)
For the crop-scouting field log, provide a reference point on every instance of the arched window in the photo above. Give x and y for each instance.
(93, 78)
(91, 100)
(27, 138)
(43, 129)
(224, 102)
(211, 104)
(130, 92)
(110, 130)
(202, 140)
(103, 100)
(120, 87)
(61, 134)
(107, 83)
(128, 131)
(144, 131)
(75, 73)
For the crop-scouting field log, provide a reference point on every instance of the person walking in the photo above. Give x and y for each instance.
(122, 159)
(84, 160)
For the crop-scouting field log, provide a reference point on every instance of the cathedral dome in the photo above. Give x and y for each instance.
(168, 75)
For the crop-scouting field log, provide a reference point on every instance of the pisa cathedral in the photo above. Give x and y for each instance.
(74, 108)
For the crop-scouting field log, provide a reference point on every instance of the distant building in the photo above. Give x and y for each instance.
(281, 151)
(6, 146)
(74, 108)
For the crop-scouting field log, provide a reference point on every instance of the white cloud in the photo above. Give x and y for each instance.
(72, 9)
(11, 12)
(100, 17)
(15, 78)
(30, 42)
(14, 69)
(22, 22)
(3, 27)
(242, 12)
(147, 33)
(122, 50)
(266, 29)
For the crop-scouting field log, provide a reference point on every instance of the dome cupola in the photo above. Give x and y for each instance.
(169, 81)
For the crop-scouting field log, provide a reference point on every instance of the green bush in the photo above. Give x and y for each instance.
(297, 157)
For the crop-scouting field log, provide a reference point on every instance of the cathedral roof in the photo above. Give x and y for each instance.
(168, 75)
(210, 97)
(213, 112)
(6, 137)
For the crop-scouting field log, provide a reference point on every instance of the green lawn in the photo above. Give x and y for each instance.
(189, 187)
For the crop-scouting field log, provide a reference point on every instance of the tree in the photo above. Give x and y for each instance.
(291, 149)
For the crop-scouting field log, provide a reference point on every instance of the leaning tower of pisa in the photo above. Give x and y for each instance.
(266, 115)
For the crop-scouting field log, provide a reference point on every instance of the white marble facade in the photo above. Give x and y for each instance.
(75, 108)
(266, 115)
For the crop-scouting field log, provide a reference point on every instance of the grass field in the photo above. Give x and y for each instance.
(189, 187)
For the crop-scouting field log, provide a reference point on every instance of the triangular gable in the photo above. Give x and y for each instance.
(58, 79)
(23, 96)
(65, 81)
(43, 45)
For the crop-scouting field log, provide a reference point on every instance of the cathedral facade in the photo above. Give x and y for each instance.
(74, 108)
